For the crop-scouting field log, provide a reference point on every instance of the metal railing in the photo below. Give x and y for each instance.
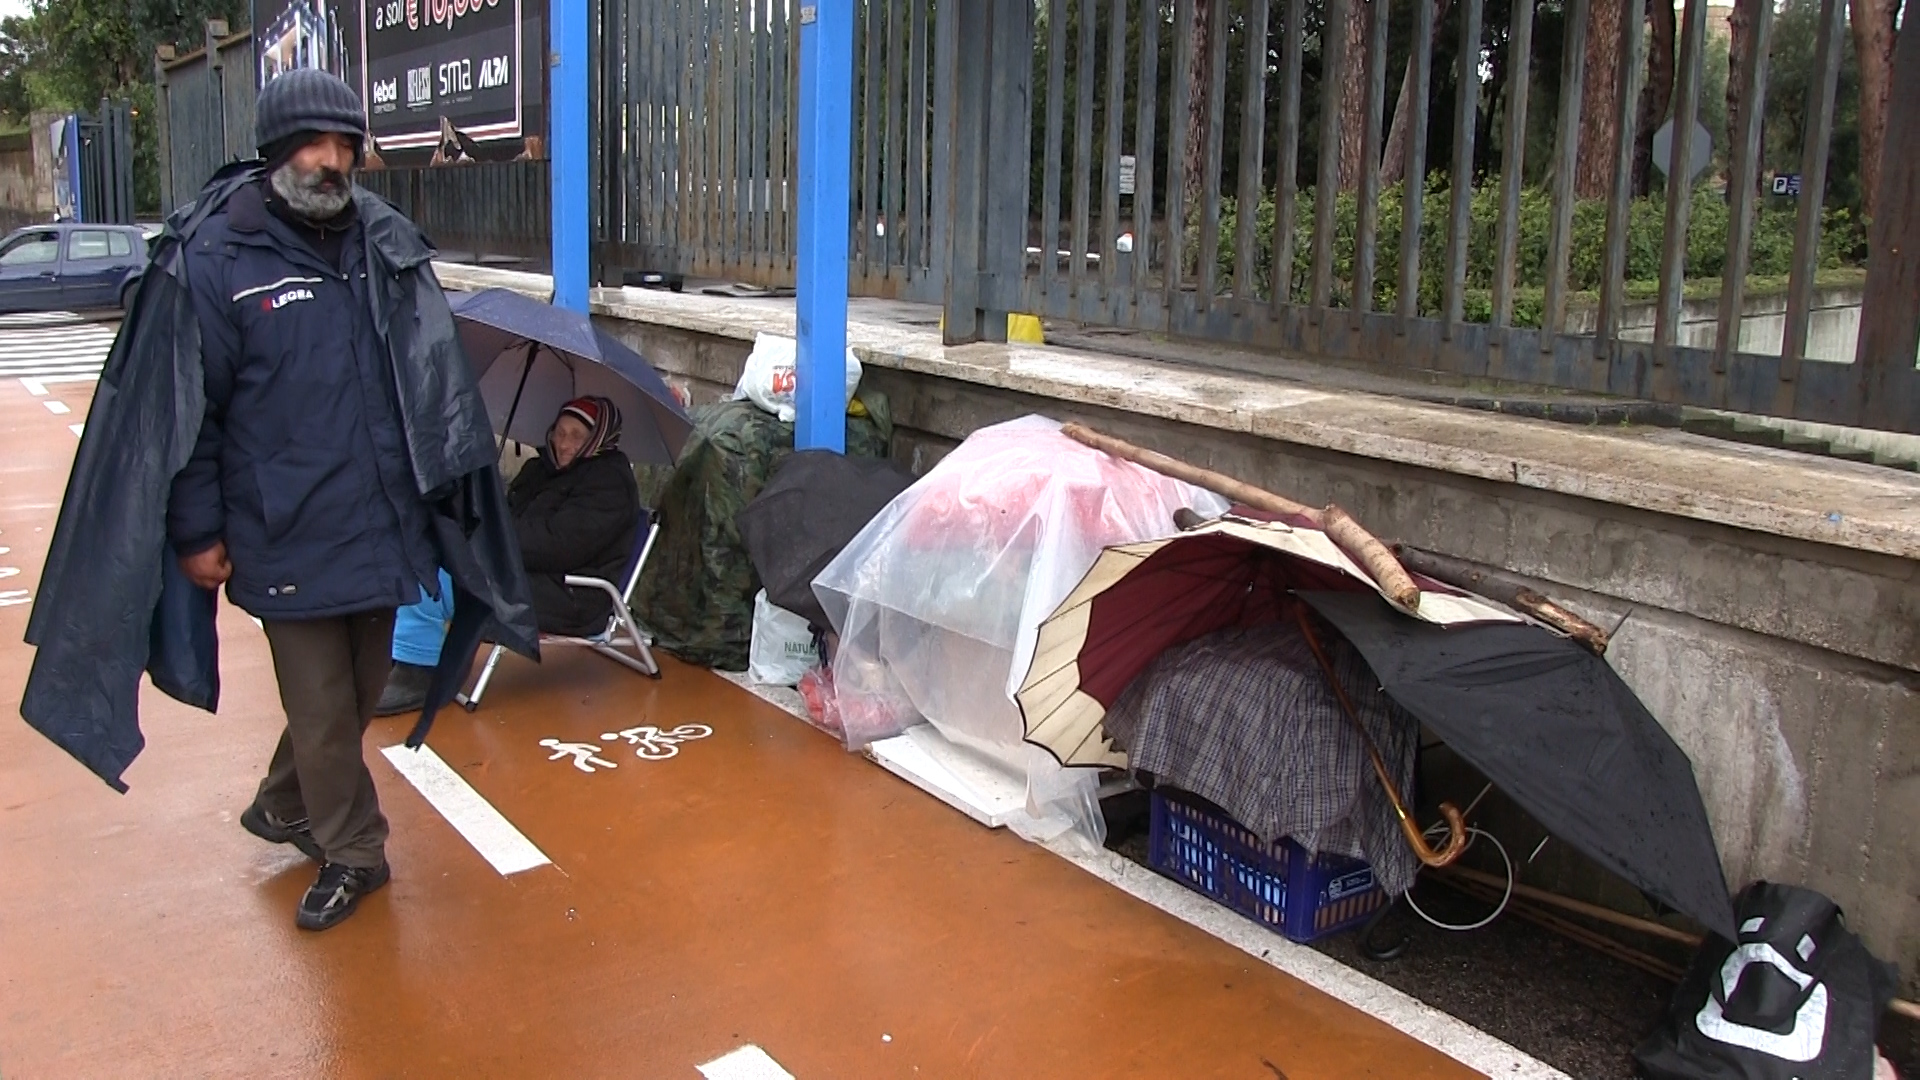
(205, 104)
(500, 209)
(696, 112)
(1137, 164)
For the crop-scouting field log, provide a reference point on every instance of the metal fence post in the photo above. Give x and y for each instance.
(1889, 322)
(991, 76)
(572, 164)
(216, 92)
(825, 205)
(163, 123)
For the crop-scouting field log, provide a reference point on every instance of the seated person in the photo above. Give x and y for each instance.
(576, 510)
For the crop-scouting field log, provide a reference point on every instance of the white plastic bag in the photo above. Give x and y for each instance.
(783, 650)
(769, 379)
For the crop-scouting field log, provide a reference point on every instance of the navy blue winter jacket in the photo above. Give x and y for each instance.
(301, 466)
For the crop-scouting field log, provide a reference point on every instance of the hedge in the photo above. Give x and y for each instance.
(1842, 245)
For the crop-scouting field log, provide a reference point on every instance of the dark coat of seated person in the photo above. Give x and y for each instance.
(576, 508)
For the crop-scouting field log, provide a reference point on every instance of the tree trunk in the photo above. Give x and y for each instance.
(1353, 93)
(1656, 100)
(1740, 34)
(1199, 85)
(1599, 112)
(1873, 44)
(1393, 159)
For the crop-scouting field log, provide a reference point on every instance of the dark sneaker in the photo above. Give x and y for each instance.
(337, 892)
(275, 831)
(406, 690)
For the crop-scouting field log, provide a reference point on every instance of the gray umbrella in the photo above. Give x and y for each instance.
(531, 358)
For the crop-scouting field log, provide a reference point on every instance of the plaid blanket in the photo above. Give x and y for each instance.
(1246, 720)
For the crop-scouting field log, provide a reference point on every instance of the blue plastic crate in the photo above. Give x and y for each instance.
(1266, 883)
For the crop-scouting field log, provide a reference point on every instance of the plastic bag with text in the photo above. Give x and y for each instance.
(771, 376)
(783, 648)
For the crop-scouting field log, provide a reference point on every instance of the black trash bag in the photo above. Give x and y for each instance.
(1799, 997)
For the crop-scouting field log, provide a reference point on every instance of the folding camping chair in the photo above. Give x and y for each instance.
(622, 641)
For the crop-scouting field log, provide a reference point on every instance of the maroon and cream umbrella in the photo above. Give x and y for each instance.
(1140, 600)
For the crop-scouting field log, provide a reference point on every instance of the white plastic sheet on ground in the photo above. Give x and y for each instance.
(939, 600)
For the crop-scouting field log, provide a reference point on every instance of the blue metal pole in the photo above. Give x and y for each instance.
(825, 152)
(570, 153)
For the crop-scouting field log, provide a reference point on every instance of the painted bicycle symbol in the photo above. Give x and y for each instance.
(652, 744)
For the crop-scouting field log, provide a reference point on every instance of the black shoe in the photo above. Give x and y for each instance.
(337, 892)
(406, 690)
(275, 831)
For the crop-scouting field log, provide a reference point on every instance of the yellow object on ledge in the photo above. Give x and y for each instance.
(1021, 329)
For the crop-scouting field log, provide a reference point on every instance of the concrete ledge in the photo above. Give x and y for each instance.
(1784, 494)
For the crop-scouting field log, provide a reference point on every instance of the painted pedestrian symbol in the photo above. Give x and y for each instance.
(583, 755)
(651, 744)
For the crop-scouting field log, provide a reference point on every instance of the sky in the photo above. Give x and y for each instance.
(9, 8)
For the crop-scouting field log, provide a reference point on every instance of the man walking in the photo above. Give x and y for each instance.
(286, 412)
(299, 497)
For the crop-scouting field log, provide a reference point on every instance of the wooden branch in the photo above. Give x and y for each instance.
(1225, 486)
(1359, 544)
(1372, 554)
(1462, 575)
(1578, 907)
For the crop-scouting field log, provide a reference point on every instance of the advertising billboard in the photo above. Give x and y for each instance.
(425, 61)
(422, 67)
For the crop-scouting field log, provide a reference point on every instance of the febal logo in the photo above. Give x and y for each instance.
(386, 91)
(444, 12)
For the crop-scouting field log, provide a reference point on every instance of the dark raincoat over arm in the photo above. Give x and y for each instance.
(113, 603)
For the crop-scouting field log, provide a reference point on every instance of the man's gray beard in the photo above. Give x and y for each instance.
(304, 197)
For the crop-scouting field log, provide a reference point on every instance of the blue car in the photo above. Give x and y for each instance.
(71, 267)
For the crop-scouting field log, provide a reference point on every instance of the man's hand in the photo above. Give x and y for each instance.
(209, 569)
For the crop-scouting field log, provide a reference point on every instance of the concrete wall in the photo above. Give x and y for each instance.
(20, 181)
(1784, 660)
(1833, 326)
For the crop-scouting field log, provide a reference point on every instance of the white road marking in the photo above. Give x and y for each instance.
(13, 597)
(42, 347)
(746, 1063)
(652, 744)
(492, 835)
(57, 408)
(41, 318)
(76, 429)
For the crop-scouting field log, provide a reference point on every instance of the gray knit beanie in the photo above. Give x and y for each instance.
(306, 102)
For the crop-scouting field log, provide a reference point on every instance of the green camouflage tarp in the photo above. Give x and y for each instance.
(697, 592)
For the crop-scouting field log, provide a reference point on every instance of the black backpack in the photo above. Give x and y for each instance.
(1798, 997)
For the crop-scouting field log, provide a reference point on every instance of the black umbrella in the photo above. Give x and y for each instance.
(1554, 727)
(816, 503)
(531, 358)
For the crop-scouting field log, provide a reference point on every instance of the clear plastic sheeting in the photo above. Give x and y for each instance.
(938, 602)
